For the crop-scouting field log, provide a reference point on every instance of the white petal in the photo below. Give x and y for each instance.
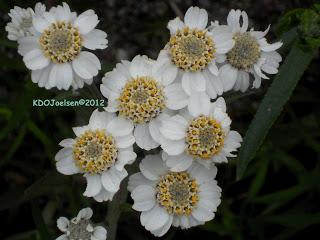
(35, 60)
(196, 18)
(173, 147)
(175, 25)
(213, 68)
(228, 76)
(144, 197)
(143, 137)
(100, 120)
(67, 166)
(269, 47)
(61, 76)
(96, 39)
(100, 233)
(80, 130)
(67, 143)
(202, 174)
(120, 127)
(125, 141)
(86, 21)
(202, 214)
(140, 66)
(174, 128)
(85, 213)
(104, 195)
(155, 218)
(164, 71)
(192, 82)
(93, 185)
(164, 229)
(179, 163)
(124, 157)
(62, 224)
(152, 167)
(86, 65)
(199, 103)
(136, 180)
(176, 98)
(112, 178)
(27, 44)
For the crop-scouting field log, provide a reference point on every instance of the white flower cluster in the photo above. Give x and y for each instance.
(169, 103)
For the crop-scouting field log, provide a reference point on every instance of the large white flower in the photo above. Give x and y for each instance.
(55, 52)
(165, 198)
(100, 151)
(194, 51)
(80, 227)
(141, 91)
(200, 134)
(21, 21)
(251, 54)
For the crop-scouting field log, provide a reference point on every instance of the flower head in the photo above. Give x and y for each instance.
(55, 52)
(194, 51)
(182, 199)
(251, 54)
(100, 151)
(142, 91)
(200, 134)
(21, 21)
(81, 227)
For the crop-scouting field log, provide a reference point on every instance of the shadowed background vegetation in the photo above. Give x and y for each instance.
(271, 191)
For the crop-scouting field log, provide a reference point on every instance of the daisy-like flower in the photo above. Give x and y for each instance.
(55, 52)
(99, 152)
(251, 54)
(80, 227)
(182, 199)
(21, 21)
(201, 134)
(141, 91)
(194, 51)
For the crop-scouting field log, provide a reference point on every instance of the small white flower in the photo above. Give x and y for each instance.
(21, 21)
(251, 54)
(165, 198)
(55, 52)
(141, 91)
(80, 227)
(200, 134)
(100, 151)
(194, 51)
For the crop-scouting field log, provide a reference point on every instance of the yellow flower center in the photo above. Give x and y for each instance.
(61, 42)
(191, 49)
(245, 52)
(141, 100)
(204, 137)
(95, 151)
(177, 193)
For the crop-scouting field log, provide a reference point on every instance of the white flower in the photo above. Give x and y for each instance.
(21, 21)
(100, 151)
(251, 54)
(55, 53)
(141, 91)
(194, 51)
(200, 134)
(80, 227)
(165, 198)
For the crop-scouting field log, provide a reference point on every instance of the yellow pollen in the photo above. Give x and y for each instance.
(177, 193)
(95, 151)
(141, 100)
(191, 49)
(245, 52)
(204, 137)
(61, 42)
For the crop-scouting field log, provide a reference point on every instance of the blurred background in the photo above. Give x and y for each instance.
(278, 197)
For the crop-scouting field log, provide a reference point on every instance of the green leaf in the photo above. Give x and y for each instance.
(278, 94)
(39, 222)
